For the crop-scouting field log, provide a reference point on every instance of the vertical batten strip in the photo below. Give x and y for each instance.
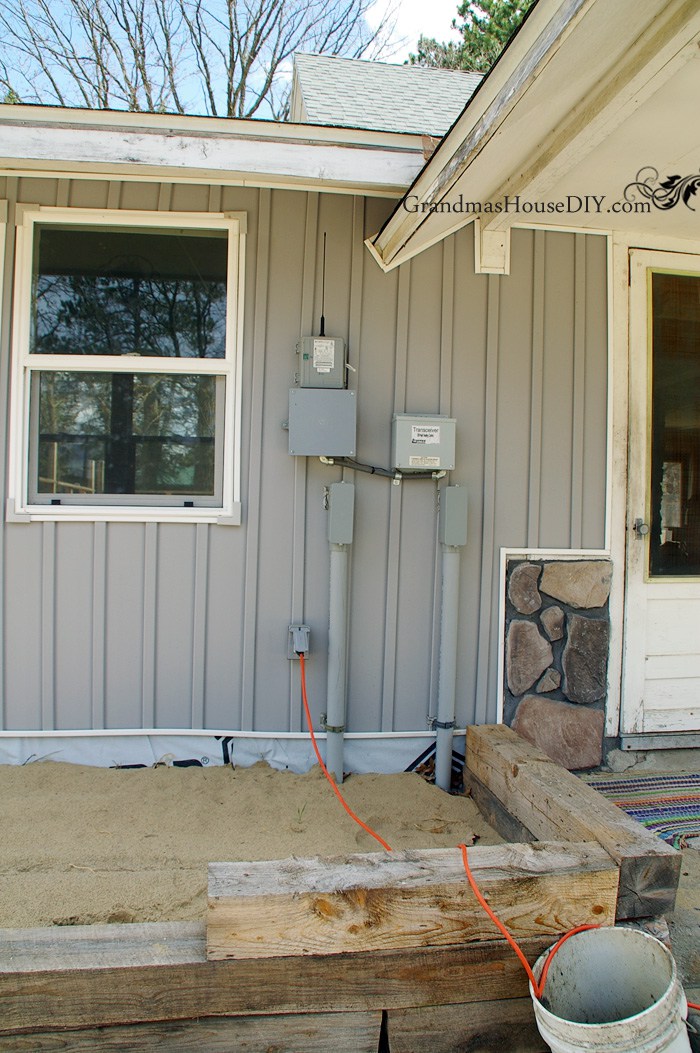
(298, 591)
(6, 250)
(536, 391)
(48, 581)
(150, 591)
(114, 195)
(165, 194)
(48, 626)
(63, 193)
(447, 311)
(578, 421)
(99, 598)
(199, 635)
(489, 512)
(395, 502)
(256, 401)
(357, 272)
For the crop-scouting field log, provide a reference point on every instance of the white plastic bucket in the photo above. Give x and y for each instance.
(611, 990)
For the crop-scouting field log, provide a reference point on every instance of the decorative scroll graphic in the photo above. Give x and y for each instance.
(663, 194)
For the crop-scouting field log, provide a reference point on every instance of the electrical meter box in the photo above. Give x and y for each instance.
(422, 442)
(321, 362)
(322, 423)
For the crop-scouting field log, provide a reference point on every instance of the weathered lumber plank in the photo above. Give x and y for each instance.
(84, 976)
(479, 1028)
(494, 812)
(419, 898)
(292, 1033)
(554, 804)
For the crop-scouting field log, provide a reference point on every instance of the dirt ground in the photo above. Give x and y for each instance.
(81, 845)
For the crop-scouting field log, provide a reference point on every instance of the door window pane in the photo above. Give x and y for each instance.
(129, 292)
(675, 426)
(126, 434)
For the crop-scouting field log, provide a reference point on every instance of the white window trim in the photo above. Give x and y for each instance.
(19, 508)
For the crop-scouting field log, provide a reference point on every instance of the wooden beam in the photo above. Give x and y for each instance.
(554, 804)
(494, 812)
(418, 898)
(291, 1033)
(507, 1025)
(96, 975)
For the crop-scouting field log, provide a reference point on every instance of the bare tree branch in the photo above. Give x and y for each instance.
(233, 57)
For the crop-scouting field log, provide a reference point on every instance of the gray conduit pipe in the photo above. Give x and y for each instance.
(447, 668)
(341, 509)
(337, 661)
(452, 534)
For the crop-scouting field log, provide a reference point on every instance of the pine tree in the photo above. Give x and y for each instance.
(485, 25)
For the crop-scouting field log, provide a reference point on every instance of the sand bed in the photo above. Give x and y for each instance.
(82, 845)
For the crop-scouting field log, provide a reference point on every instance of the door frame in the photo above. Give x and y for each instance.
(639, 261)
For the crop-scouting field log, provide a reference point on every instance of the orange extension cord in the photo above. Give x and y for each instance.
(537, 985)
(324, 769)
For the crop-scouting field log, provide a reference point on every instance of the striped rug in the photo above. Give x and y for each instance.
(669, 805)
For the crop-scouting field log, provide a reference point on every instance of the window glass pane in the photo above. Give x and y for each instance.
(675, 426)
(129, 292)
(126, 434)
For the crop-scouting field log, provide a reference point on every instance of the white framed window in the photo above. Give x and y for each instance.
(126, 366)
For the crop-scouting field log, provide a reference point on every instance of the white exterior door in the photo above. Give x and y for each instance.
(661, 682)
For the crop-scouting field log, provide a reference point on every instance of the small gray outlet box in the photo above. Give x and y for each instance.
(321, 362)
(422, 442)
(322, 422)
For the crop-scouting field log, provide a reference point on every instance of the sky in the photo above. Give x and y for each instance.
(432, 18)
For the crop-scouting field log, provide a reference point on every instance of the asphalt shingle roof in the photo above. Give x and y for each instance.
(356, 93)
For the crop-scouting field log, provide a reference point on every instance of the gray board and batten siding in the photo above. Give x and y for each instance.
(145, 625)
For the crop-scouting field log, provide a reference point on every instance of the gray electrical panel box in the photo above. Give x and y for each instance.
(422, 442)
(321, 362)
(341, 510)
(322, 422)
(452, 529)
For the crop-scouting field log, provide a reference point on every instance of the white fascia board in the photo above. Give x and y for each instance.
(250, 152)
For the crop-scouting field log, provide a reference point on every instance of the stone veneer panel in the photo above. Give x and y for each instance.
(556, 650)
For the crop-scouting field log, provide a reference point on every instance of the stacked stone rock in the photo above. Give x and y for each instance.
(557, 641)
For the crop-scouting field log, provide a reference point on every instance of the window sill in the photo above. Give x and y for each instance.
(111, 514)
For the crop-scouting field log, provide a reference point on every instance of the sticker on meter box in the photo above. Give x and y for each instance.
(324, 355)
(425, 434)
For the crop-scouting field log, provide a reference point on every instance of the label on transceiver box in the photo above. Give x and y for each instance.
(425, 434)
(424, 462)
